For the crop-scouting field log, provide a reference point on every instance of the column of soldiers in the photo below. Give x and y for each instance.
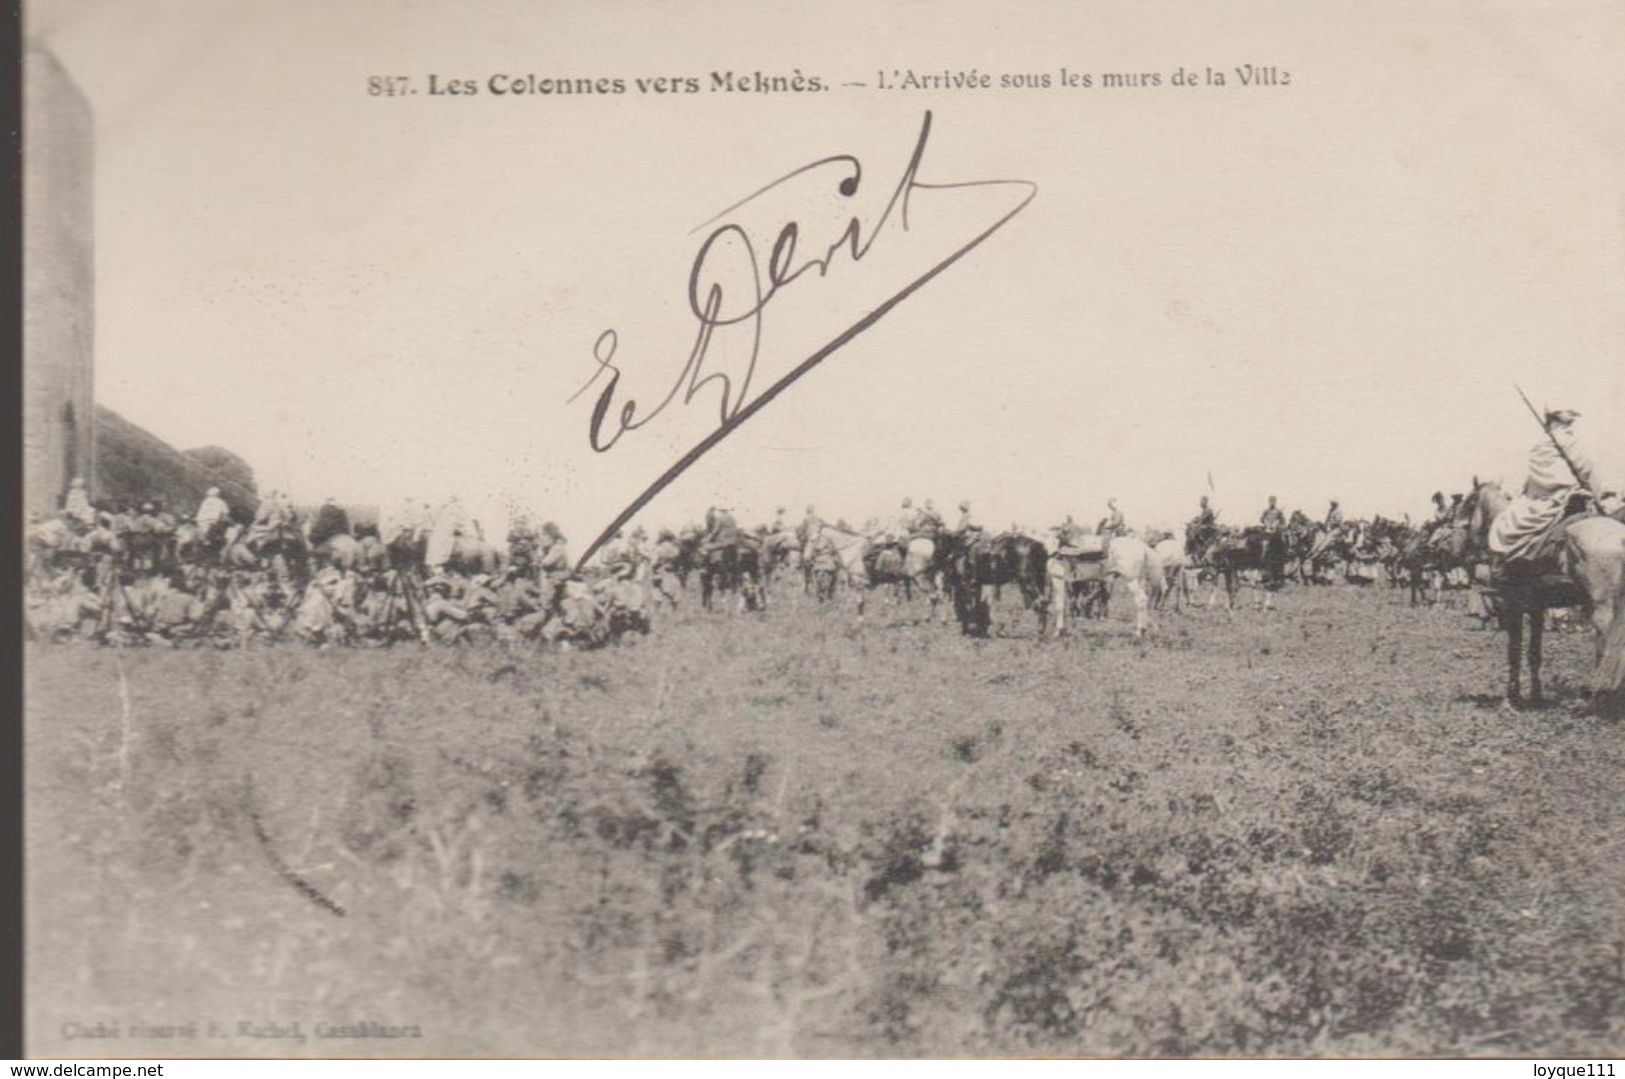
(207, 578)
(140, 571)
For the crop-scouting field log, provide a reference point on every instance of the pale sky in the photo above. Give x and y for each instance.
(1322, 290)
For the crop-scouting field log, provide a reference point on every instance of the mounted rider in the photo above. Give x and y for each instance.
(212, 514)
(1112, 525)
(1442, 515)
(1070, 533)
(1331, 530)
(927, 522)
(1207, 518)
(721, 530)
(966, 523)
(273, 513)
(1560, 481)
(899, 531)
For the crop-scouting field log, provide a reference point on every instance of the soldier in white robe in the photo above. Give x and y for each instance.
(1559, 468)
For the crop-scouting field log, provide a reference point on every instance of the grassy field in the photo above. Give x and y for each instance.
(1311, 831)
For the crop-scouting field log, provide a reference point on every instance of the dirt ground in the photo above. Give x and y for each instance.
(1313, 831)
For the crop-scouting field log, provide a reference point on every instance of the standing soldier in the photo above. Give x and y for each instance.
(665, 556)
(807, 530)
(825, 564)
(450, 523)
(146, 550)
(405, 521)
(1273, 520)
(553, 562)
(638, 552)
(522, 543)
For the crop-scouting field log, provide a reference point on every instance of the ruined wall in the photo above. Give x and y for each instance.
(59, 421)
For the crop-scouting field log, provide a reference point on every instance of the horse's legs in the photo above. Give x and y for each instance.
(1142, 614)
(1537, 630)
(1512, 618)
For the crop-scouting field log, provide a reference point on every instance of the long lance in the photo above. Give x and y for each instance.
(1556, 445)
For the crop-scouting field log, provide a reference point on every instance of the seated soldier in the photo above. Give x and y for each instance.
(444, 616)
(76, 507)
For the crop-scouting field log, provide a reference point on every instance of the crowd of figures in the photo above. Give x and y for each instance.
(117, 576)
(140, 574)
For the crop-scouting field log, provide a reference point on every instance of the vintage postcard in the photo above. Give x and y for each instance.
(862, 529)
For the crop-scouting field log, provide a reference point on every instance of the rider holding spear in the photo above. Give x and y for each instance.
(1559, 469)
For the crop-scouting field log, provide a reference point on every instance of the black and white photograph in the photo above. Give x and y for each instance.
(883, 529)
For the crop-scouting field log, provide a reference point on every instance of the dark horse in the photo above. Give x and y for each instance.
(732, 566)
(283, 549)
(975, 563)
(1427, 559)
(1232, 552)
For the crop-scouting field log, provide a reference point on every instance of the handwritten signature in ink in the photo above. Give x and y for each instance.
(715, 307)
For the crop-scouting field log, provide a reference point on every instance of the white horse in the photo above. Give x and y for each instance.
(1169, 556)
(914, 570)
(1128, 559)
